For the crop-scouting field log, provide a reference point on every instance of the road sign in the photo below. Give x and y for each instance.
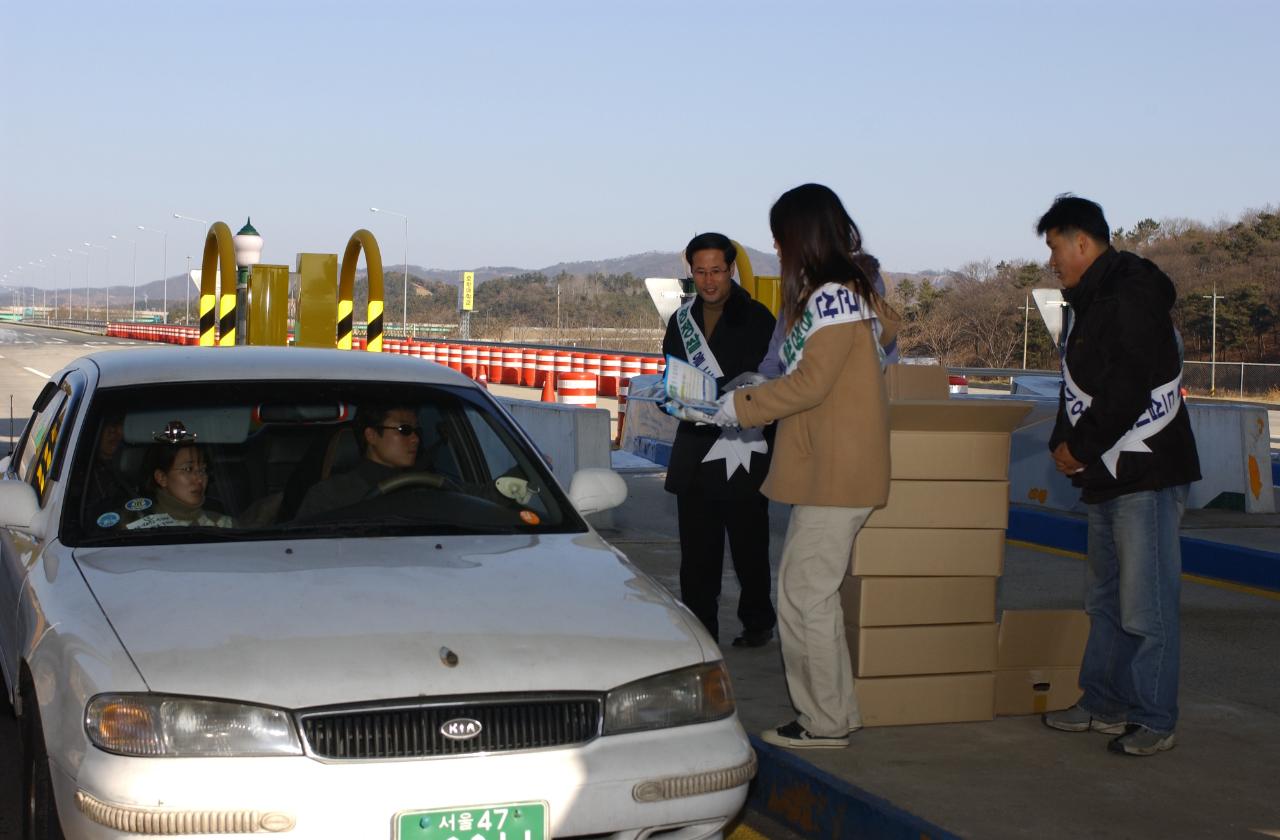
(468, 290)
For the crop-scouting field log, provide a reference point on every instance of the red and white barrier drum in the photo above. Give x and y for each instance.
(576, 388)
(649, 364)
(546, 367)
(512, 366)
(610, 373)
(469, 361)
(455, 357)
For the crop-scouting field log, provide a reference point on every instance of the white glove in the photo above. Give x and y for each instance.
(726, 414)
(742, 380)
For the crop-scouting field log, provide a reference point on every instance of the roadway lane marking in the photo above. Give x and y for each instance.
(37, 373)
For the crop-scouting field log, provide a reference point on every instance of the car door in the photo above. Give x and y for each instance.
(37, 461)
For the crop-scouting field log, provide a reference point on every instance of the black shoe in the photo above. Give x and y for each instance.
(754, 638)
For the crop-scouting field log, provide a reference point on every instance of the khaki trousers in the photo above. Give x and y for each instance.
(815, 559)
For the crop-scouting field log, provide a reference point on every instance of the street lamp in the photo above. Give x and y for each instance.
(248, 247)
(133, 312)
(84, 254)
(107, 251)
(164, 271)
(404, 315)
(206, 227)
(1213, 340)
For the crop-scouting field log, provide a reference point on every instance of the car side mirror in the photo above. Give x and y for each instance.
(594, 489)
(19, 505)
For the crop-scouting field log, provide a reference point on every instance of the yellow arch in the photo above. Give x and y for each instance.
(361, 239)
(767, 290)
(219, 255)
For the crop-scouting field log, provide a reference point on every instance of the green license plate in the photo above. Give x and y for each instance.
(515, 821)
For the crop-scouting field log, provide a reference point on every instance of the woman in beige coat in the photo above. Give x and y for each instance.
(831, 455)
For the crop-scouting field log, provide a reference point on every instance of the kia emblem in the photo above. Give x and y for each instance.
(460, 729)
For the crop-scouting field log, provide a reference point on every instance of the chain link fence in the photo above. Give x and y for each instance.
(1241, 379)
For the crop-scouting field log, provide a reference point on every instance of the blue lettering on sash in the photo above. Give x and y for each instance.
(698, 359)
(841, 303)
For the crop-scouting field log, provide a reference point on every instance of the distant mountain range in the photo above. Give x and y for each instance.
(647, 264)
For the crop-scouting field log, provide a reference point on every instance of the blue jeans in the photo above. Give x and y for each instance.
(1130, 667)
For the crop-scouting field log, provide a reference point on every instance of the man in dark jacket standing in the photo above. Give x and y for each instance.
(1124, 438)
(716, 474)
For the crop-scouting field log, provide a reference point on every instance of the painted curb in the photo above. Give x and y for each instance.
(815, 803)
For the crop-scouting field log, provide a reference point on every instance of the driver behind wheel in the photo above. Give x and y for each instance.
(388, 438)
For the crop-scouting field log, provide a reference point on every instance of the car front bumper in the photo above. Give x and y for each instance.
(693, 776)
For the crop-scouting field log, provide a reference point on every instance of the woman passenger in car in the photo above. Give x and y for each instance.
(177, 478)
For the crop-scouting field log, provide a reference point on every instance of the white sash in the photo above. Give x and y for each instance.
(831, 303)
(696, 350)
(1163, 407)
(734, 445)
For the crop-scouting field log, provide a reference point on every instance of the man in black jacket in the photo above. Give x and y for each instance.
(716, 474)
(1124, 438)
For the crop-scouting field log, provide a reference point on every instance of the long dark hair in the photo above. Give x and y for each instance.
(818, 243)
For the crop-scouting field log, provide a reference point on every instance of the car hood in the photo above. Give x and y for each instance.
(314, 622)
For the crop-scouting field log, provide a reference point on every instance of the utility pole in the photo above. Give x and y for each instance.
(1026, 320)
(1213, 340)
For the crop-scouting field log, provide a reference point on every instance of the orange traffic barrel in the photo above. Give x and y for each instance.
(577, 388)
(610, 372)
(512, 366)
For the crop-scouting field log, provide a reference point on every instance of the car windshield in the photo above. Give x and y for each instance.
(215, 461)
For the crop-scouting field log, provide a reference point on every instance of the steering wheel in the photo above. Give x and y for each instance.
(422, 478)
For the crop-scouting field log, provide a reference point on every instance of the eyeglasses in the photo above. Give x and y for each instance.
(404, 429)
(192, 469)
(715, 273)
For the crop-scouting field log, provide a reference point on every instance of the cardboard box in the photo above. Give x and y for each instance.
(946, 698)
(929, 649)
(1042, 638)
(944, 504)
(952, 439)
(892, 601)
(956, 456)
(949, 552)
(1033, 691)
(917, 382)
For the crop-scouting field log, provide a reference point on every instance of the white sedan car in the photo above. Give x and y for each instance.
(334, 594)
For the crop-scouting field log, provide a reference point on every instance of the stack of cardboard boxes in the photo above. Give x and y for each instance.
(920, 599)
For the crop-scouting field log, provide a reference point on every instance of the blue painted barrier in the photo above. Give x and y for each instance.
(815, 803)
(1206, 558)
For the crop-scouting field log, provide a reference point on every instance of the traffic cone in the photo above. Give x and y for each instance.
(483, 380)
(548, 392)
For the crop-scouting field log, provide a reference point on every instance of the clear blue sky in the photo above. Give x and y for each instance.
(528, 133)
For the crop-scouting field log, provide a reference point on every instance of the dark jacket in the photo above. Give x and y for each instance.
(739, 343)
(1121, 346)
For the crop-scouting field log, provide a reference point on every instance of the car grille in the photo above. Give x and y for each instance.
(413, 730)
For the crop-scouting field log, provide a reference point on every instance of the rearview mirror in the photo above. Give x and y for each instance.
(18, 505)
(595, 489)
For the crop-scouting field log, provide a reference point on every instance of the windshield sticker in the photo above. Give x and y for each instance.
(109, 520)
(135, 505)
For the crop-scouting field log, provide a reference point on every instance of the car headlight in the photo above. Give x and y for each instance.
(157, 725)
(677, 698)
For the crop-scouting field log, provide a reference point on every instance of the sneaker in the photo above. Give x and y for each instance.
(1076, 719)
(1138, 740)
(796, 737)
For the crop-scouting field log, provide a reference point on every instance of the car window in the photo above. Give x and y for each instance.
(245, 461)
(42, 446)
